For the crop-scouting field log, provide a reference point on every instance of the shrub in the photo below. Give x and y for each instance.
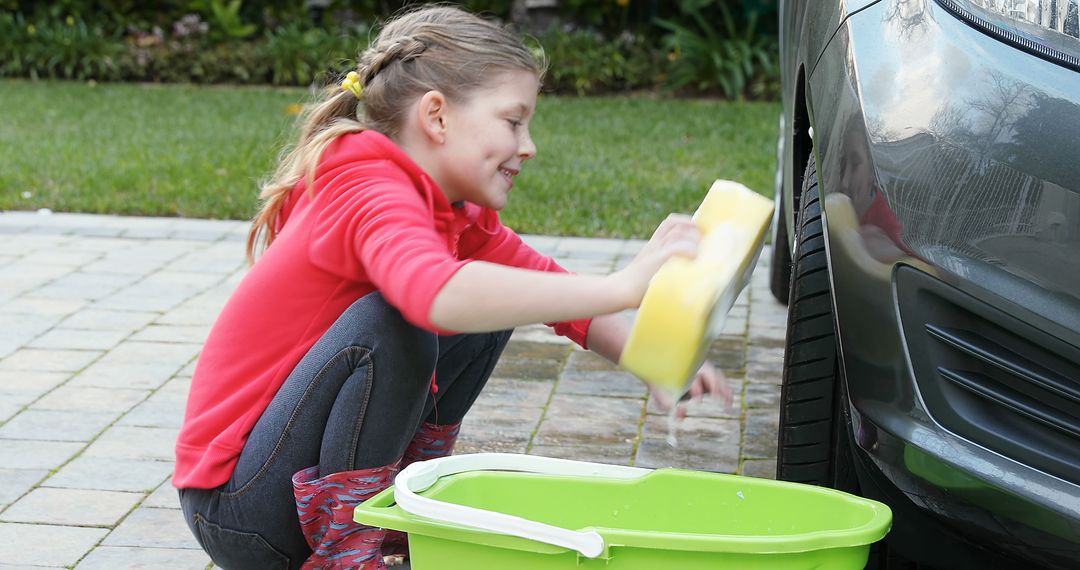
(67, 49)
(228, 23)
(299, 54)
(584, 61)
(234, 62)
(727, 60)
(153, 55)
(13, 44)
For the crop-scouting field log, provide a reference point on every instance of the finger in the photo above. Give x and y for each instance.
(723, 387)
(684, 229)
(662, 401)
(683, 248)
(689, 233)
(697, 388)
(715, 381)
(664, 227)
(677, 218)
(720, 389)
(670, 223)
(725, 394)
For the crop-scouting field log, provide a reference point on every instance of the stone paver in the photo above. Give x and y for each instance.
(15, 482)
(48, 545)
(75, 507)
(27, 454)
(152, 528)
(49, 360)
(109, 474)
(164, 497)
(28, 386)
(50, 425)
(142, 558)
(572, 419)
(90, 399)
(103, 318)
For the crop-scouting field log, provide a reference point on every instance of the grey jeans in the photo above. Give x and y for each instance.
(353, 402)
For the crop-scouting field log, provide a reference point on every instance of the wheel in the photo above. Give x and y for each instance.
(780, 260)
(812, 445)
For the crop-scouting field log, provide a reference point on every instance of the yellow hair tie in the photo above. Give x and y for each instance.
(352, 83)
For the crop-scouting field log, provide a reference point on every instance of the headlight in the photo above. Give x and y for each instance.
(1048, 28)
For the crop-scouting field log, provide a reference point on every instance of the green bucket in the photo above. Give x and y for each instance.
(625, 518)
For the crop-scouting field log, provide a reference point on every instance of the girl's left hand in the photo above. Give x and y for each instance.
(708, 380)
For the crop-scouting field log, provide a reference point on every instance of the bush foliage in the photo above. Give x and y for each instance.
(713, 47)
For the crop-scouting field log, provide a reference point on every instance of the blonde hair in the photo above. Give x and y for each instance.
(438, 48)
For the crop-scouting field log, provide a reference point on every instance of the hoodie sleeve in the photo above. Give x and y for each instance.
(489, 240)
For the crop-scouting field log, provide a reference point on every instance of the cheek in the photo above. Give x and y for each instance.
(494, 153)
(508, 145)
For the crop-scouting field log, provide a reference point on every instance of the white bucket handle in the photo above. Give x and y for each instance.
(423, 474)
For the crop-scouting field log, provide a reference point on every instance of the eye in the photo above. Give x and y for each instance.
(514, 123)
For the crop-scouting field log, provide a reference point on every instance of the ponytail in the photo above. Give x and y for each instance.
(334, 116)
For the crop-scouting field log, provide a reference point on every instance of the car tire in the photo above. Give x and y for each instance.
(780, 260)
(812, 445)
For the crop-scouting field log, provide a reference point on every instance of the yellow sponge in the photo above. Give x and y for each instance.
(687, 299)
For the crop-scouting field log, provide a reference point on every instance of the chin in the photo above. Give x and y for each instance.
(496, 202)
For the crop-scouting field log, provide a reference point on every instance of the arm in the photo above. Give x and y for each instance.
(608, 335)
(484, 296)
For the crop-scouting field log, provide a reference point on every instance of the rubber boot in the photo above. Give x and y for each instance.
(431, 441)
(325, 505)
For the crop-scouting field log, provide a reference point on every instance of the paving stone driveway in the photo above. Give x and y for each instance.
(102, 317)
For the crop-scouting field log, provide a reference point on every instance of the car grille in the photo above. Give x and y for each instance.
(992, 377)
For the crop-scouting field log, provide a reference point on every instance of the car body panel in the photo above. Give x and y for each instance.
(931, 141)
(814, 24)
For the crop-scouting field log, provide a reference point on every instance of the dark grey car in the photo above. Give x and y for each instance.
(929, 251)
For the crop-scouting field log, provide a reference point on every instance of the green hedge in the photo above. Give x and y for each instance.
(70, 48)
(690, 47)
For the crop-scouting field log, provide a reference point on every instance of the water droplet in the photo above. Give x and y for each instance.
(672, 427)
(672, 417)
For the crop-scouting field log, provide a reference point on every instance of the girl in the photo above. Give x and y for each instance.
(334, 364)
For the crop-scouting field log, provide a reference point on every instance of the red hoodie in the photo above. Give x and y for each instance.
(376, 221)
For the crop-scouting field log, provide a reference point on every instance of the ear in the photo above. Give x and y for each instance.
(431, 112)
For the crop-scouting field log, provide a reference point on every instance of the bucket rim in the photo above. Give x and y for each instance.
(383, 511)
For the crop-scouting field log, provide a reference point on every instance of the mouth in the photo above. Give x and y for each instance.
(509, 174)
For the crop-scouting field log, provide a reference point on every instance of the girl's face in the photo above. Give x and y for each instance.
(487, 140)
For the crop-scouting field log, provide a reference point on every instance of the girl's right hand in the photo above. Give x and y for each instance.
(676, 235)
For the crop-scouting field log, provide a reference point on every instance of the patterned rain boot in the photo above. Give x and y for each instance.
(325, 505)
(431, 441)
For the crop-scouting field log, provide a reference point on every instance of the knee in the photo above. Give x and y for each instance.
(414, 344)
(378, 325)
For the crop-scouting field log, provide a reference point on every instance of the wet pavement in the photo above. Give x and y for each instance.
(102, 319)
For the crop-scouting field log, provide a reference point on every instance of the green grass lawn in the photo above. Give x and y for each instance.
(610, 166)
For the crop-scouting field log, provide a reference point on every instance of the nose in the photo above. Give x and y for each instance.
(526, 147)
